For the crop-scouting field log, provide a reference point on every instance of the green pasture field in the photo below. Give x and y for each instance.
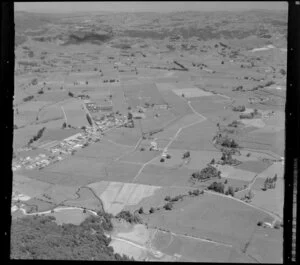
(140, 156)
(58, 193)
(50, 113)
(66, 178)
(118, 100)
(209, 216)
(253, 166)
(264, 141)
(178, 105)
(28, 186)
(23, 135)
(86, 199)
(196, 137)
(151, 122)
(266, 245)
(163, 176)
(194, 250)
(39, 205)
(102, 151)
(58, 134)
(53, 96)
(125, 136)
(70, 216)
(76, 115)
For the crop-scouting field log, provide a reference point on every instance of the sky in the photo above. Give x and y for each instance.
(146, 6)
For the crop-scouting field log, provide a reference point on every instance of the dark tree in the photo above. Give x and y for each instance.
(88, 117)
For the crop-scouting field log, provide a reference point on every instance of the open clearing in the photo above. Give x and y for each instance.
(116, 195)
(225, 221)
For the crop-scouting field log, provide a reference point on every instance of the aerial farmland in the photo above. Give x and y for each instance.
(176, 137)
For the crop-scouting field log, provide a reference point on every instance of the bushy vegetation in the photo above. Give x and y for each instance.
(28, 98)
(206, 174)
(217, 186)
(70, 94)
(129, 217)
(89, 119)
(196, 192)
(225, 141)
(37, 136)
(39, 237)
(230, 191)
(239, 108)
(270, 183)
(186, 154)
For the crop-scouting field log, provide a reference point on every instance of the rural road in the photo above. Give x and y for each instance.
(172, 139)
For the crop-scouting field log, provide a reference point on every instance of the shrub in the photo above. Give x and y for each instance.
(206, 173)
(259, 223)
(168, 156)
(162, 160)
(168, 206)
(216, 186)
(239, 108)
(129, 217)
(71, 94)
(230, 191)
(167, 198)
(152, 210)
(141, 210)
(41, 91)
(186, 154)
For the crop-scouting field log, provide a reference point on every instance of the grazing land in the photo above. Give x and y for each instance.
(155, 136)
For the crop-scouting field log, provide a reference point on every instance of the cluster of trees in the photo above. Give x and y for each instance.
(186, 155)
(89, 119)
(39, 237)
(28, 98)
(250, 115)
(195, 192)
(240, 108)
(270, 183)
(217, 186)
(34, 81)
(234, 124)
(225, 141)
(226, 158)
(37, 136)
(230, 191)
(129, 217)
(174, 199)
(206, 173)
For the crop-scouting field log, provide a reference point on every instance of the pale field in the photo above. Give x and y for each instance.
(209, 216)
(163, 176)
(196, 137)
(28, 186)
(116, 195)
(199, 159)
(103, 150)
(191, 92)
(75, 113)
(56, 133)
(233, 173)
(171, 130)
(258, 123)
(140, 156)
(70, 216)
(59, 193)
(50, 113)
(271, 199)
